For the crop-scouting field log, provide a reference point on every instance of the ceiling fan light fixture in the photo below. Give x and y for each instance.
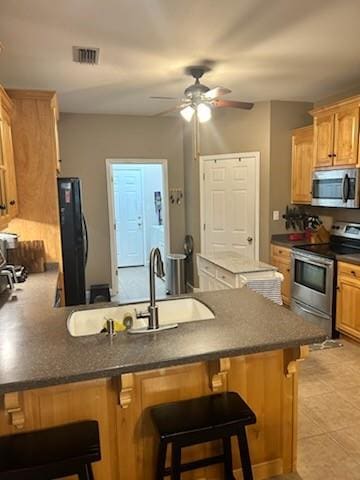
(203, 111)
(187, 113)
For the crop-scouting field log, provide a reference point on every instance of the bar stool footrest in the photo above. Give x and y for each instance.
(204, 462)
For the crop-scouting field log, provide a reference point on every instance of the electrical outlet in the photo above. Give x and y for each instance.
(276, 215)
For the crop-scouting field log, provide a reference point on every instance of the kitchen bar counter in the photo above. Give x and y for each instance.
(36, 350)
(49, 378)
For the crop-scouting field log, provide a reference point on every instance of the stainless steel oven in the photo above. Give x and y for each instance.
(313, 288)
(336, 188)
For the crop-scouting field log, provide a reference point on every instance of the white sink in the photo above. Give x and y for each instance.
(181, 310)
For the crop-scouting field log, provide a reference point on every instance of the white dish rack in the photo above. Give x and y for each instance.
(267, 284)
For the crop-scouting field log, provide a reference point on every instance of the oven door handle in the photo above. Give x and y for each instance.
(312, 312)
(345, 188)
(317, 263)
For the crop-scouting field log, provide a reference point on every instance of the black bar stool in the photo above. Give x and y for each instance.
(200, 420)
(51, 453)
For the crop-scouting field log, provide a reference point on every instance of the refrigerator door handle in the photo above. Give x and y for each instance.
(86, 239)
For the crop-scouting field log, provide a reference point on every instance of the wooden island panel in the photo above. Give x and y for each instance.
(267, 381)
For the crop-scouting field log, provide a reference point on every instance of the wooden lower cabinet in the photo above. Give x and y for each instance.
(281, 259)
(267, 381)
(348, 300)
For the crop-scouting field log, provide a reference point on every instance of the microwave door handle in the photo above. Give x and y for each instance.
(345, 188)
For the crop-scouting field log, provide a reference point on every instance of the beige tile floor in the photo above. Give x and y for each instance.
(329, 416)
(134, 285)
(329, 399)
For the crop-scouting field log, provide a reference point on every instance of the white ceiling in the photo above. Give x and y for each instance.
(262, 49)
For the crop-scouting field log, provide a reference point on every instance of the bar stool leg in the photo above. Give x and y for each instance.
(228, 465)
(176, 462)
(244, 454)
(161, 460)
(86, 473)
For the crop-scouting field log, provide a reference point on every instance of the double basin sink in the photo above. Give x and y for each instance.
(180, 310)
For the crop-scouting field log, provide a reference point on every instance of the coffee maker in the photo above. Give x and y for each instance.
(9, 274)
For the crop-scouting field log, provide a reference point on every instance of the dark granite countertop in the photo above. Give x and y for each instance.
(36, 350)
(354, 259)
(283, 241)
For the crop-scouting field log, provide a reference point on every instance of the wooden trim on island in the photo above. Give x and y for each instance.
(267, 381)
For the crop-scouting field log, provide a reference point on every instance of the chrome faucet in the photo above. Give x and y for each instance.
(156, 267)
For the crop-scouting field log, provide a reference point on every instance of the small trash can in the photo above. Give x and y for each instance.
(175, 274)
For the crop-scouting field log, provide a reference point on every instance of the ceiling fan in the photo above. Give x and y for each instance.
(200, 99)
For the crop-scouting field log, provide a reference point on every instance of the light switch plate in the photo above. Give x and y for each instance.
(276, 215)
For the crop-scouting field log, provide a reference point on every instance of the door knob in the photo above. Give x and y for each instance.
(249, 239)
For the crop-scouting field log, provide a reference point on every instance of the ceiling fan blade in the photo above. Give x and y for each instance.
(232, 104)
(164, 98)
(170, 110)
(217, 92)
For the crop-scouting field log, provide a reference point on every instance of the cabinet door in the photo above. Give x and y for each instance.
(11, 190)
(323, 140)
(56, 139)
(302, 166)
(346, 136)
(284, 267)
(348, 305)
(4, 214)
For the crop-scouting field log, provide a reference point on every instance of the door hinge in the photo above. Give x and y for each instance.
(204, 176)
(204, 226)
(114, 226)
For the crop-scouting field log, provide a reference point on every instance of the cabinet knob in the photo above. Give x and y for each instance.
(334, 154)
(249, 239)
(12, 202)
(330, 155)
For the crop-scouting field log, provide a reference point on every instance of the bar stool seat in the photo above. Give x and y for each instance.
(201, 420)
(51, 453)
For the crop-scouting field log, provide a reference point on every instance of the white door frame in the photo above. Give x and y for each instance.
(228, 156)
(134, 161)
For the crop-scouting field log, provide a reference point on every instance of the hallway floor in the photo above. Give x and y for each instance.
(134, 285)
(329, 415)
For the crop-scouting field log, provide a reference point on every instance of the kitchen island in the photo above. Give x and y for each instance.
(252, 346)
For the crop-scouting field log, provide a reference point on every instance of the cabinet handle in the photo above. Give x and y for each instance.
(330, 155)
(2, 207)
(334, 154)
(353, 273)
(12, 202)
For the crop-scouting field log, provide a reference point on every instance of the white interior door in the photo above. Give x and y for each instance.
(229, 205)
(128, 196)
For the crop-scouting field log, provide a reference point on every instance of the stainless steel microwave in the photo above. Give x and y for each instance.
(336, 188)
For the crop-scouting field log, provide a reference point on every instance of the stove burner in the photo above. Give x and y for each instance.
(329, 250)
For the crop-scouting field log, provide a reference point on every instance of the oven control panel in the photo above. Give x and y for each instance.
(347, 230)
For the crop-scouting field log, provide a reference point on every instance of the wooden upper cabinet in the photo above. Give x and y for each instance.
(55, 112)
(8, 189)
(302, 165)
(323, 140)
(336, 134)
(346, 135)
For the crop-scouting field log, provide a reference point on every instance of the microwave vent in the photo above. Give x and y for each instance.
(87, 55)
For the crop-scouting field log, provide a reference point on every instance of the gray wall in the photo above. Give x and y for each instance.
(285, 116)
(87, 140)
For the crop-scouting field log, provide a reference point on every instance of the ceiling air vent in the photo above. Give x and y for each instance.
(86, 55)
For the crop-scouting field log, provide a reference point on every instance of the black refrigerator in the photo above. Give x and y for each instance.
(74, 240)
